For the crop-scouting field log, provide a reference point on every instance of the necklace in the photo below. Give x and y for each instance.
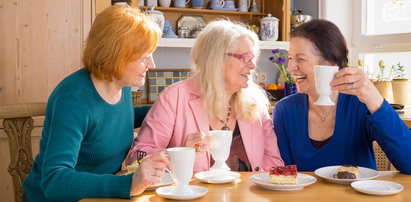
(225, 127)
(325, 117)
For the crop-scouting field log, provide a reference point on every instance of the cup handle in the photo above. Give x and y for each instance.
(172, 175)
(222, 3)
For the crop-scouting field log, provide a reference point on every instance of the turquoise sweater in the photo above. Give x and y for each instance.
(83, 144)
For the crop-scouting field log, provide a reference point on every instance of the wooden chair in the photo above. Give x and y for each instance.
(18, 124)
(383, 164)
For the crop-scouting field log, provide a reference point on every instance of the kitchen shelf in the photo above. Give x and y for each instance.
(202, 11)
(188, 43)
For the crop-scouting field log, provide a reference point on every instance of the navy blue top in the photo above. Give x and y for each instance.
(351, 143)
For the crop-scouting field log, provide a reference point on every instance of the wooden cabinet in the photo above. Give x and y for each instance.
(278, 8)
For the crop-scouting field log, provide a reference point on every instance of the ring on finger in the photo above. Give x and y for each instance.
(350, 85)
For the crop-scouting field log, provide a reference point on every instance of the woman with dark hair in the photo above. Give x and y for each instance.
(313, 136)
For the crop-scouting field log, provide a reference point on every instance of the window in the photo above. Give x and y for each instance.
(387, 17)
(382, 31)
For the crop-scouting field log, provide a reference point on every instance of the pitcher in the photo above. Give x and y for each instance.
(243, 5)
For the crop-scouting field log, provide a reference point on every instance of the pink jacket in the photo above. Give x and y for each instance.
(179, 111)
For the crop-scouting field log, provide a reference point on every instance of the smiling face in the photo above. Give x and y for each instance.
(134, 72)
(302, 57)
(237, 73)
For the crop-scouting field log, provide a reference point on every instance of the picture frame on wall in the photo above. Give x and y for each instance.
(160, 79)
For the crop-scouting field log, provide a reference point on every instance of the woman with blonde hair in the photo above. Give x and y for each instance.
(221, 94)
(88, 128)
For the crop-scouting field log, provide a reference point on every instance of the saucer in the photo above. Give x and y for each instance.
(328, 174)
(166, 180)
(168, 192)
(377, 187)
(217, 177)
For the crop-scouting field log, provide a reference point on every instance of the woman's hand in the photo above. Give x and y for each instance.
(199, 141)
(149, 172)
(354, 81)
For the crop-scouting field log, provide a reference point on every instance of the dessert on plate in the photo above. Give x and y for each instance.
(347, 172)
(283, 174)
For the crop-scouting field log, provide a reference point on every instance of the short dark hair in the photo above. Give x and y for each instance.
(327, 38)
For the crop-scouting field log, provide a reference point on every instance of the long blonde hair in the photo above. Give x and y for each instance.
(208, 58)
(120, 34)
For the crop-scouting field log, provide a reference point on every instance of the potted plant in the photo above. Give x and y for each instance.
(279, 60)
(383, 81)
(400, 85)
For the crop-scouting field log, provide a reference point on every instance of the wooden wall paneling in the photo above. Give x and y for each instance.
(8, 52)
(42, 43)
(283, 14)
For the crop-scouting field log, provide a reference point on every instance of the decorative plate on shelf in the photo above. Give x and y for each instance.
(191, 23)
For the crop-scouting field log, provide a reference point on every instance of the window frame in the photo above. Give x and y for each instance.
(362, 43)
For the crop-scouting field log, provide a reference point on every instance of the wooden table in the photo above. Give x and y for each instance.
(245, 190)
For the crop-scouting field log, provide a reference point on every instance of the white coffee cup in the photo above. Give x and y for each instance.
(324, 74)
(220, 144)
(181, 167)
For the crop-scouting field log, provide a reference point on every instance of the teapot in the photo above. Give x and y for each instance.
(243, 5)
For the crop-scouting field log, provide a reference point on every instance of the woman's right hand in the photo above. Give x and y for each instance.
(198, 140)
(149, 172)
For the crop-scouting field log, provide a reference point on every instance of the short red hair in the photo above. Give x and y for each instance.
(119, 35)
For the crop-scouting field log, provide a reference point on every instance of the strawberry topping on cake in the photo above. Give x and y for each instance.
(283, 174)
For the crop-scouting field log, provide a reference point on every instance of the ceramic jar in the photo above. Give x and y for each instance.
(157, 17)
(269, 28)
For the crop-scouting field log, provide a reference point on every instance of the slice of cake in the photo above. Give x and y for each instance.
(284, 175)
(347, 172)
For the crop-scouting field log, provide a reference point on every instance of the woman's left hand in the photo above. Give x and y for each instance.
(354, 81)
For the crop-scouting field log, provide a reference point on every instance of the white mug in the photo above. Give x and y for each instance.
(324, 74)
(220, 145)
(181, 165)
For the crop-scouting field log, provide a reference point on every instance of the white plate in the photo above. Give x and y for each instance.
(328, 174)
(166, 180)
(263, 179)
(377, 187)
(169, 192)
(217, 177)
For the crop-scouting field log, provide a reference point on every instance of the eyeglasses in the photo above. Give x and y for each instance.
(146, 60)
(247, 58)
